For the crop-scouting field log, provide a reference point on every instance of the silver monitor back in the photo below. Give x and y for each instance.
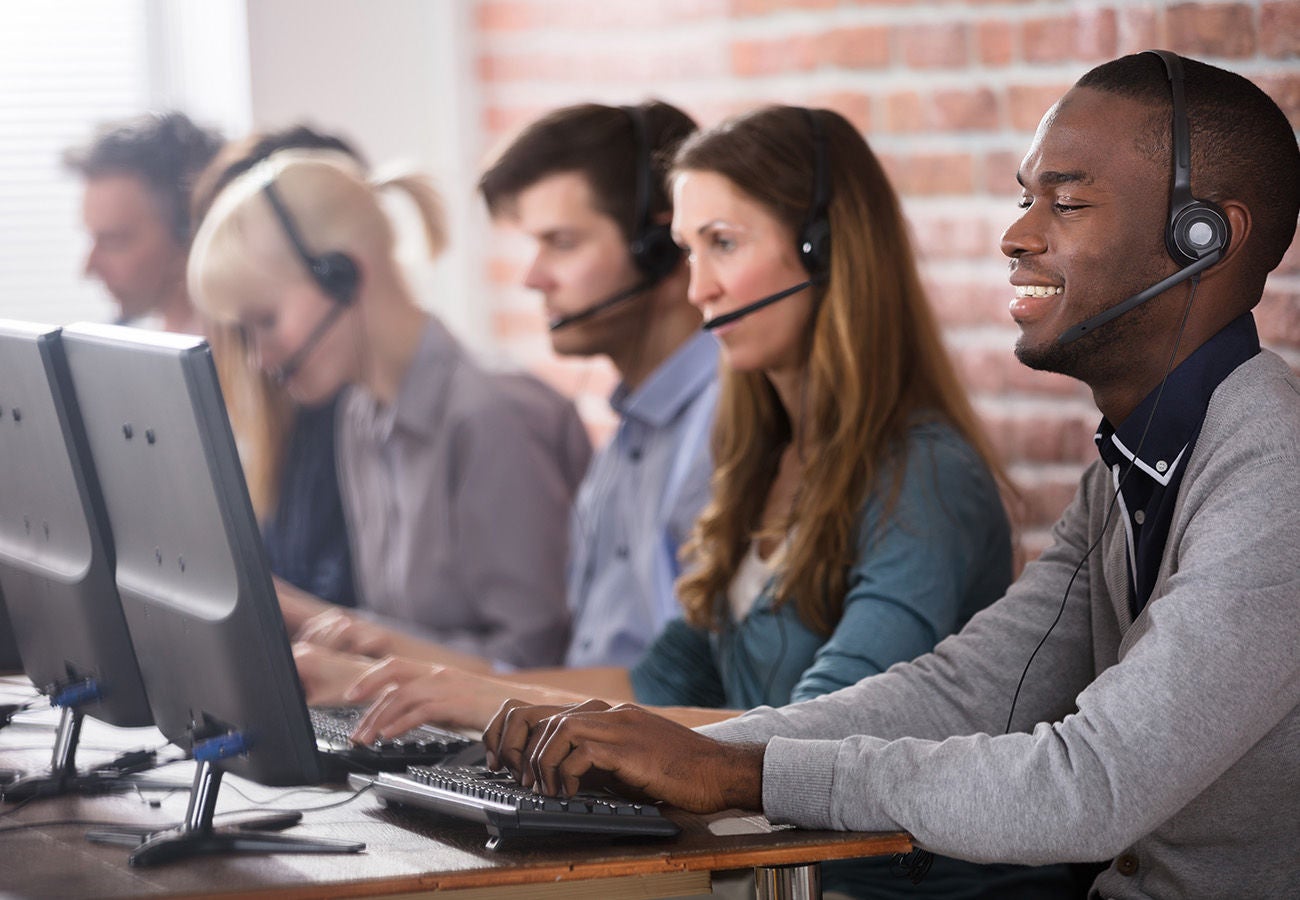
(56, 553)
(191, 568)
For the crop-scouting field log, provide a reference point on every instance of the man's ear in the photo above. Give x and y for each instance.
(1239, 220)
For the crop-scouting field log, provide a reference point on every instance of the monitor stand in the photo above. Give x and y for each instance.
(197, 836)
(63, 777)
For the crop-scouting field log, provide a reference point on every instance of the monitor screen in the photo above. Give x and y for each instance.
(191, 568)
(56, 553)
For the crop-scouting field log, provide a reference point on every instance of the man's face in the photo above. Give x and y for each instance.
(133, 251)
(580, 257)
(1091, 235)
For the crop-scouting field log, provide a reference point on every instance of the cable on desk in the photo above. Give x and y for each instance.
(262, 804)
(58, 823)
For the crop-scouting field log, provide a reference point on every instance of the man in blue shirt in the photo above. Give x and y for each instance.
(586, 184)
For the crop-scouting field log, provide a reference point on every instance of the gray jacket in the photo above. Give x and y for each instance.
(1171, 743)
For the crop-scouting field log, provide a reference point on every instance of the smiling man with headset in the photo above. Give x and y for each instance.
(1134, 696)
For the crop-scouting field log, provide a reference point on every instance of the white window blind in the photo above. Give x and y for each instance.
(65, 67)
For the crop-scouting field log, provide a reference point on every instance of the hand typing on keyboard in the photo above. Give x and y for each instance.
(554, 749)
(406, 694)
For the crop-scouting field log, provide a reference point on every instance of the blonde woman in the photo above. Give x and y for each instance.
(452, 477)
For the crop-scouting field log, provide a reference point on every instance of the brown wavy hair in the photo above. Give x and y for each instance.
(876, 367)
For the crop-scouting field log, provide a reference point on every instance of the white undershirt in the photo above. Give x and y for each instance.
(752, 575)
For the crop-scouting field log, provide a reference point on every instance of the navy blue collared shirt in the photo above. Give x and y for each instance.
(1148, 492)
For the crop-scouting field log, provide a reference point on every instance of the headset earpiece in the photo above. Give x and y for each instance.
(335, 273)
(814, 238)
(653, 250)
(1196, 228)
(1197, 231)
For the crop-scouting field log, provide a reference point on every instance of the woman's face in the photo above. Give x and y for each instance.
(279, 316)
(739, 252)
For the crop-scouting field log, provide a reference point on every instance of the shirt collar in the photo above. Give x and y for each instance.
(422, 396)
(1182, 404)
(671, 386)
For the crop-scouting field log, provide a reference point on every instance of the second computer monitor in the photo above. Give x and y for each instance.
(191, 569)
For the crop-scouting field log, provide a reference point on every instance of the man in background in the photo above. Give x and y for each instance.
(136, 207)
(586, 184)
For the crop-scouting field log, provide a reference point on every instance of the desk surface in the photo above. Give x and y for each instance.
(408, 851)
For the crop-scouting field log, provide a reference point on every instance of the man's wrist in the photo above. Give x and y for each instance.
(744, 790)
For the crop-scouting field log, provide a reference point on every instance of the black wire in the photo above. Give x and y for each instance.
(262, 804)
(1114, 501)
(59, 823)
(91, 823)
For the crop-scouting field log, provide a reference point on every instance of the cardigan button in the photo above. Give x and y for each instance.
(1126, 864)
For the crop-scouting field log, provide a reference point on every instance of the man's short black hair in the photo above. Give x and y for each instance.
(164, 150)
(1243, 147)
(600, 143)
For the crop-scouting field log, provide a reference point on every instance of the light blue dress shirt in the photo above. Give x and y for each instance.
(637, 505)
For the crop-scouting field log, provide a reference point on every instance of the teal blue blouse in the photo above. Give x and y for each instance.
(943, 554)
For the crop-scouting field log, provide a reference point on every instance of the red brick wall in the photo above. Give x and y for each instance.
(948, 94)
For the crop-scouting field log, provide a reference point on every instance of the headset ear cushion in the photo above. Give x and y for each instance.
(1196, 230)
(654, 252)
(815, 247)
(338, 276)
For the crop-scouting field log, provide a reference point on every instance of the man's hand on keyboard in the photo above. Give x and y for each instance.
(553, 748)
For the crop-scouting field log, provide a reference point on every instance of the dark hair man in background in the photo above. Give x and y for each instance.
(136, 207)
(586, 184)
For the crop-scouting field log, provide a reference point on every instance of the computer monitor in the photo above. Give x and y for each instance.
(192, 575)
(56, 558)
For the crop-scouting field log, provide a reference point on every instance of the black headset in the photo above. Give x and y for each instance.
(335, 272)
(814, 239)
(1197, 232)
(1196, 228)
(653, 250)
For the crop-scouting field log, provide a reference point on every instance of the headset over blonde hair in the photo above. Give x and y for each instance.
(876, 367)
(335, 209)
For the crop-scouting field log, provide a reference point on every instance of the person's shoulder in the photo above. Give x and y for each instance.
(939, 445)
(1256, 410)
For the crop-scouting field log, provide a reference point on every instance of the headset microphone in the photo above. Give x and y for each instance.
(564, 321)
(735, 314)
(281, 374)
(1087, 325)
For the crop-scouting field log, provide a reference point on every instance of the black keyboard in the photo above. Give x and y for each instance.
(422, 745)
(507, 809)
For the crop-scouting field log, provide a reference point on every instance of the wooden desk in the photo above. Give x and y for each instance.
(408, 853)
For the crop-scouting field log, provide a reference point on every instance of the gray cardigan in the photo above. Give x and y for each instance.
(1171, 743)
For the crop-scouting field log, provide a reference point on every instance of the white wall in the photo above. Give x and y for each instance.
(394, 76)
